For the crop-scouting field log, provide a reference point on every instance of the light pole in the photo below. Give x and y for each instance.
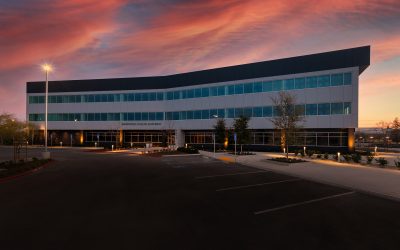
(214, 116)
(47, 68)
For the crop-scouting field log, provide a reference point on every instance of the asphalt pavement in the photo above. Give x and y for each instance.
(105, 200)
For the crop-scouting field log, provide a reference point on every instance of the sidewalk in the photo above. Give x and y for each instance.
(381, 182)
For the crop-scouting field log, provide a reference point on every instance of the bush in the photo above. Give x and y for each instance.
(356, 157)
(302, 153)
(397, 163)
(188, 150)
(370, 158)
(381, 161)
(326, 156)
(310, 153)
(347, 157)
(34, 159)
(319, 156)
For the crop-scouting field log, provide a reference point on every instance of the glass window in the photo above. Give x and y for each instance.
(138, 97)
(189, 115)
(277, 85)
(221, 113)
(324, 81)
(231, 113)
(190, 93)
(205, 114)
(300, 83)
(177, 95)
(184, 94)
(160, 96)
(205, 92)
(347, 108)
(221, 90)
(238, 89)
(102, 98)
(117, 97)
(170, 95)
(213, 113)
(257, 87)
(182, 115)
(197, 114)
(145, 96)
(152, 96)
(347, 78)
(336, 79)
(312, 82)
(337, 108)
(71, 99)
(267, 111)
(52, 99)
(267, 86)
(159, 116)
(152, 116)
(214, 91)
(59, 98)
(231, 89)
(248, 88)
(288, 84)
(257, 112)
(311, 109)
(197, 93)
(324, 109)
(300, 109)
(168, 116)
(138, 116)
(78, 98)
(238, 112)
(248, 112)
(175, 115)
(145, 116)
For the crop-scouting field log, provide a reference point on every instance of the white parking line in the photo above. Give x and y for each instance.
(303, 203)
(241, 173)
(256, 185)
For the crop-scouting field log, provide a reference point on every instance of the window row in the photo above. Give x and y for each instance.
(234, 89)
(266, 111)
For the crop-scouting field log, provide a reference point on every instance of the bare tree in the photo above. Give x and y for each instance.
(384, 127)
(396, 130)
(287, 118)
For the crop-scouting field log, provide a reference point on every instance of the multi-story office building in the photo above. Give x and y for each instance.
(182, 108)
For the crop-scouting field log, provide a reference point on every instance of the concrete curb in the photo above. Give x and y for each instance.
(29, 172)
(357, 189)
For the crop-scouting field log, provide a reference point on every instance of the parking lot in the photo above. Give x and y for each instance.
(125, 201)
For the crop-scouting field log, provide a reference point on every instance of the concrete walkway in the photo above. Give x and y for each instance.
(372, 180)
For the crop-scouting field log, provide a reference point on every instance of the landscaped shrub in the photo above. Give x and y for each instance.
(188, 150)
(319, 156)
(326, 156)
(347, 157)
(381, 161)
(370, 158)
(302, 153)
(310, 153)
(397, 163)
(356, 157)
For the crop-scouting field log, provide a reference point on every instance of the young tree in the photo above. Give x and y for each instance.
(286, 118)
(220, 131)
(240, 127)
(384, 127)
(11, 129)
(395, 134)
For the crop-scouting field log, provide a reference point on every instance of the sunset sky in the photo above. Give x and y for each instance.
(123, 38)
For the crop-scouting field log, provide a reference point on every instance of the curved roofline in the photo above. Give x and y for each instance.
(346, 58)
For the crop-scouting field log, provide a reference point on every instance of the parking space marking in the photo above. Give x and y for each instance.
(256, 185)
(222, 175)
(303, 203)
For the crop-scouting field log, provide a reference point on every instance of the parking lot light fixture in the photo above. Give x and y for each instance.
(46, 68)
(338, 156)
(304, 148)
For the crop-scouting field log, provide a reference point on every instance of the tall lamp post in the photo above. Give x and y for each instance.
(215, 117)
(46, 68)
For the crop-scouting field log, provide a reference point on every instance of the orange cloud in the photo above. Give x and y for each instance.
(50, 29)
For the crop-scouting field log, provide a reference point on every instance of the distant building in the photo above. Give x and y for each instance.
(181, 109)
